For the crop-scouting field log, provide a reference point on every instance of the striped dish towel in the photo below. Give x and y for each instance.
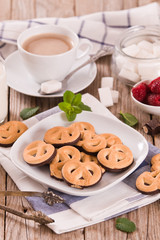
(78, 212)
(102, 28)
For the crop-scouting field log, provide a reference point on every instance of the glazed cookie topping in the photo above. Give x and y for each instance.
(81, 175)
(116, 158)
(39, 153)
(63, 155)
(10, 132)
(61, 136)
(149, 182)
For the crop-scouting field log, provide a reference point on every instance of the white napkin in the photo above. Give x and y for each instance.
(102, 28)
(78, 212)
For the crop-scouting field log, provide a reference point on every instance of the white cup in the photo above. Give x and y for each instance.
(42, 67)
(3, 93)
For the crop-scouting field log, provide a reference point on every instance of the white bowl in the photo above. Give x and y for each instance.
(144, 107)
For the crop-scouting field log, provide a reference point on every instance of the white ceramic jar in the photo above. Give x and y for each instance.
(137, 55)
(3, 92)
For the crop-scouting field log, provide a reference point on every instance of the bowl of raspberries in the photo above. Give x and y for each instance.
(146, 95)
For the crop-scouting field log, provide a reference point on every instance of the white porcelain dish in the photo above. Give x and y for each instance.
(130, 137)
(20, 80)
(155, 110)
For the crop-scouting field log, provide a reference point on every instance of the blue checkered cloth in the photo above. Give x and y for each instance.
(102, 28)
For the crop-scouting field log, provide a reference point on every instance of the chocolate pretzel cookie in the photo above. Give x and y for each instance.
(80, 175)
(90, 158)
(155, 162)
(116, 158)
(63, 155)
(62, 136)
(10, 132)
(83, 126)
(149, 182)
(91, 142)
(39, 153)
(111, 139)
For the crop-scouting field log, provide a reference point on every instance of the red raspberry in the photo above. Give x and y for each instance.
(153, 99)
(155, 85)
(140, 92)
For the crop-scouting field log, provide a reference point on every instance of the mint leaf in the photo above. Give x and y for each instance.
(71, 117)
(129, 119)
(28, 112)
(77, 99)
(77, 110)
(72, 105)
(125, 225)
(68, 96)
(64, 106)
(84, 107)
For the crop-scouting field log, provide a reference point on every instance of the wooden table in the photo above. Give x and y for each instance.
(147, 218)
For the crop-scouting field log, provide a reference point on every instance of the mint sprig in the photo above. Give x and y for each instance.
(72, 105)
(129, 119)
(125, 225)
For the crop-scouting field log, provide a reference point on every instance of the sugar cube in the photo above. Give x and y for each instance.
(115, 96)
(148, 46)
(107, 82)
(131, 66)
(156, 50)
(105, 96)
(120, 61)
(131, 50)
(51, 86)
(148, 69)
(132, 76)
(144, 54)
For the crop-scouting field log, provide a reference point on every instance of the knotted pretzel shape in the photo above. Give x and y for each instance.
(91, 142)
(10, 132)
(90, 158)
(63, 155)
(60, 136)
(83, 126)
(116, 158)
(149, 182)
(39, 153)
(111, 139)
(81, 175)
(155, 162)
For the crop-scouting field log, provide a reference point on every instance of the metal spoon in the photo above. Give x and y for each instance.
(60, 86)
(49, 197)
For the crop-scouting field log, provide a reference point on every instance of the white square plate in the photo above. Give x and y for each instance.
(130, 137)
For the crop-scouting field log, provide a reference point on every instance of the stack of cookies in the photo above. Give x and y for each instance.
(77, 155)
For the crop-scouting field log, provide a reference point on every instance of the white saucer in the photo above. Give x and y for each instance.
(19, 79)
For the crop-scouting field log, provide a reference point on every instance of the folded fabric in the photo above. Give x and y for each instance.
(102, 28)
(78, 212)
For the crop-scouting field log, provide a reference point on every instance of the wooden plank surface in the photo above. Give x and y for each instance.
(147, 218)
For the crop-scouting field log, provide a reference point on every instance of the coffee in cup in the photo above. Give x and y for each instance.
(49, 51)
(48, 44)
